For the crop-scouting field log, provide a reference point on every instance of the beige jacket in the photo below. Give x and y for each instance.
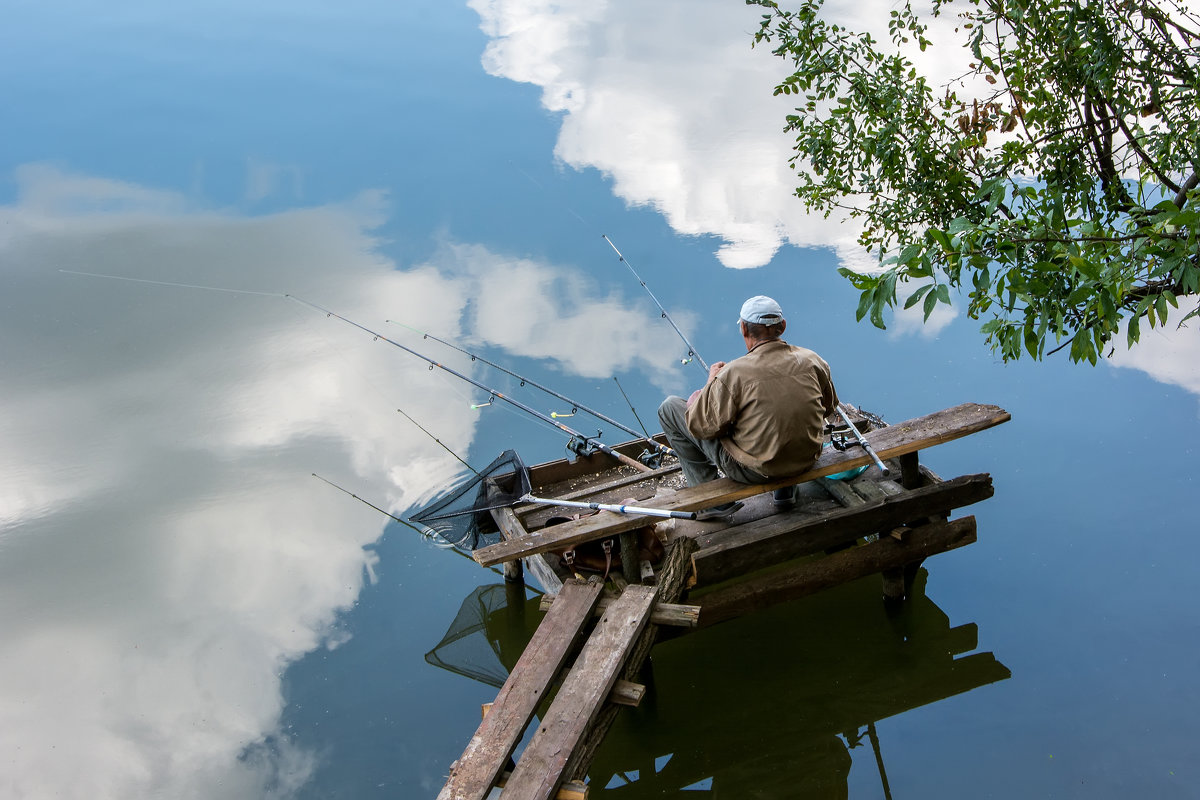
(768, 408)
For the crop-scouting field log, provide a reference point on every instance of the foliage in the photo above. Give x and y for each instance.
(1054, 179)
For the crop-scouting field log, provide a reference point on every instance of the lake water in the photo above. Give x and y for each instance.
(190, 613)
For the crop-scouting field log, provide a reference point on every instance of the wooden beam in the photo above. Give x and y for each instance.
(486, 755)
(540, 769)
(627, 693)
(889, 442)
(672, 614)
(783, 537)
(808, 577)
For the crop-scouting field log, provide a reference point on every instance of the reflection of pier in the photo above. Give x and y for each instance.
(771, 706)
(843, 663)
(838, 532)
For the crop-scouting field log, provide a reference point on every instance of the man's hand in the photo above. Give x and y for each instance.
(714, 371)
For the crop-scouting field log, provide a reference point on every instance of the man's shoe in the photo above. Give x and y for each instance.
(785, 498)
(719, 512)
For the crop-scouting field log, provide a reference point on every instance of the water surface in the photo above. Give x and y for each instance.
(190, 613)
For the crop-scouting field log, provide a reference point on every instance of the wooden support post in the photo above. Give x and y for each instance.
(629, 557)
(513, 572)
(910, 471)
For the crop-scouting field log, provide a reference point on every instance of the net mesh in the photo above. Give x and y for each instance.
(461, 517)
(468, 648)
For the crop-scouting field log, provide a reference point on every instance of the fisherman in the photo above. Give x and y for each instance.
(759, 417)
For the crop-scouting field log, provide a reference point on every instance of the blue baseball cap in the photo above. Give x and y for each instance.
(762, 310)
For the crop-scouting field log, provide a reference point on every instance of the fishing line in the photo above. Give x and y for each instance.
(586, 442)
(439, 441)
(691, 354)
(427, 533)
(631, 408)
(575, 405)
(169, 283)
(366, 377)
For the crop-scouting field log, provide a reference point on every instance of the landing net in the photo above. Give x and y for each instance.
(462, 517)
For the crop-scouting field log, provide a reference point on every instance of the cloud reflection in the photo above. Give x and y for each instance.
(166, 552)
(683, 122)
(1169, 354)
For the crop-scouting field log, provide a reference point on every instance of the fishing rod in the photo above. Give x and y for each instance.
(615, 508)
(862, 442)
(439, 441)
(575, 406)
(583, 444)
(691, 354)
(428, 533)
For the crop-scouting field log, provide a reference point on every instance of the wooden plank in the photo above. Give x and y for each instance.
(889, 442)
(868, 490)
(842, 493)
(572, 790)
(808, 577)
(673, 614)
(783, 537)
(487, 753)
(578, 701)
(612, 485)
(671, 579)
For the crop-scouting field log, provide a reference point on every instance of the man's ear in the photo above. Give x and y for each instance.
(782, 326)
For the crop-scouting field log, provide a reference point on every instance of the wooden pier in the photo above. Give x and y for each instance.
(582, 664)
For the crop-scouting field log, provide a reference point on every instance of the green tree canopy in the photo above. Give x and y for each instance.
(1053, 179)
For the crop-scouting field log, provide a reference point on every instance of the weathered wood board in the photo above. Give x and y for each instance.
(786, 536)
(808, 577)
(487, 753)
(892, 441)
(581, 695)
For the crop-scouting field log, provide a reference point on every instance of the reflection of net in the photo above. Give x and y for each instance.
(462, 518)
(467, 648)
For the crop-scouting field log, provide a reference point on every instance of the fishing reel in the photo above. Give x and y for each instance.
(583, 447)
(840, 439)
(651, 458)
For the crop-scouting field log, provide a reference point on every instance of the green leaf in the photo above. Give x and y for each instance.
(930, 304)
(865, 301)
(916, 296)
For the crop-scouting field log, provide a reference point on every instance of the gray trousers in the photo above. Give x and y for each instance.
(700, 459)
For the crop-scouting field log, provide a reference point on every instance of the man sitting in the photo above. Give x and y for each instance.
(759, 417)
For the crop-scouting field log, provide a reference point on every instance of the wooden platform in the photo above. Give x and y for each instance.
(889, 442)
(714, 571)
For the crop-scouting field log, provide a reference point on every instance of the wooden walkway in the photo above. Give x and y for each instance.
(760, 558)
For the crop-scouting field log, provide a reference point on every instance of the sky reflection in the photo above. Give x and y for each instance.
(168, 434)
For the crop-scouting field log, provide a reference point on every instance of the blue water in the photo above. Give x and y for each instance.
(188, 613)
